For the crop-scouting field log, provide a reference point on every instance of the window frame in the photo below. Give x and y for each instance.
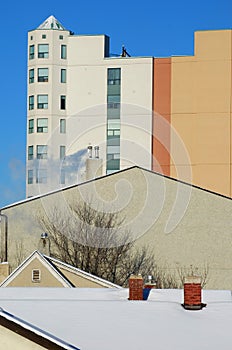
(42, 105)
(41, 176)
(62, 126)
(30, 152)
(42, 128)
(62, 177)
(41, 53)
(31, 102)
(30, 176)
(31, 52)
(62, 152)
(63, 102)
(30, 128)
(63, 52)
(41, 152)
(42, 78)
(31, 76)
(63, 75)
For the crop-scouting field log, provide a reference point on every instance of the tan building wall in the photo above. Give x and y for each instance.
(79, 281)
(183, 225)
(201, 111)
(10, 340)
(4, 271)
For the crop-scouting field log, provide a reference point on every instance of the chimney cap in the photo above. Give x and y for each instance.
(192, 279)
(136, 277)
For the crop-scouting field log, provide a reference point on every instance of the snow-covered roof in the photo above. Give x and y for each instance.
(51, 23)
(35, 330)
(105, 319)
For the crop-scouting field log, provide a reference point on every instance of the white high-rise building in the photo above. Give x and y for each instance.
(84, 104)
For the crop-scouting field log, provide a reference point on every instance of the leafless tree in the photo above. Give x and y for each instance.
(19, 255)
(191, 270)
(95, 242)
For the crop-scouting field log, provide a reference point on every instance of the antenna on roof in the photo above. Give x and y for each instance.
(124, 52)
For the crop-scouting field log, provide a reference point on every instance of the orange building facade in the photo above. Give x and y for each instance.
(193, 95)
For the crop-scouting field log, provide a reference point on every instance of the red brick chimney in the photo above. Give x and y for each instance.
(136, 287)
(192, 293)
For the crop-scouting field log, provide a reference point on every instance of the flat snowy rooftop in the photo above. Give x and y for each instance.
(104, 319)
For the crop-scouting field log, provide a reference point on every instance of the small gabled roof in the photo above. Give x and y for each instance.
(51, 23)
(37, 255)
(60, 264)
(55, 266)
(33, 333)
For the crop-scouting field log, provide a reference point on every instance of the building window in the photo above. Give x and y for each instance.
(62, 152)
(113, 101)
(31, 37)
(62, 102)
(30, 153)
(43, 36)
(31, 52)
(62, 126)
(42, 101)
(43, 51)
(42, 75)
(62, 176)
(41, 176)
(30, 177)
(42, 152)
(42, 125)
(63, 53)
(113, 119)
(31, 76)
(114, 76)
(31, 102)
(31, 126)
(36, 275)
(61, 37)
(113, 129)
(63, 76)
(113, 164)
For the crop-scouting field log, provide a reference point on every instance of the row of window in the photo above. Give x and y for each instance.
(42, 152)
(113, 119)
(44, 36)
(42, 125)
(42, 102)
(43, 51)
(42, 75)
(41, 176)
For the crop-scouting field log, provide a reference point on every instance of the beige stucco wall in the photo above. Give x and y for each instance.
(79, 281)
(201, 111)
(10, 340)
(183, 225)
(4, 271)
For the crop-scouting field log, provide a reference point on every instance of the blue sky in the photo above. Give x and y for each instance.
(148, 28)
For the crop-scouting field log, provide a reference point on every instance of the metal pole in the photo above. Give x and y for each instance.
(6, 235)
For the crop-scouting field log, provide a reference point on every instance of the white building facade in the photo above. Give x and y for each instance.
(79, 98)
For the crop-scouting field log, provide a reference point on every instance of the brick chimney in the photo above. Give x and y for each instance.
(136, 287)
(192, 293)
